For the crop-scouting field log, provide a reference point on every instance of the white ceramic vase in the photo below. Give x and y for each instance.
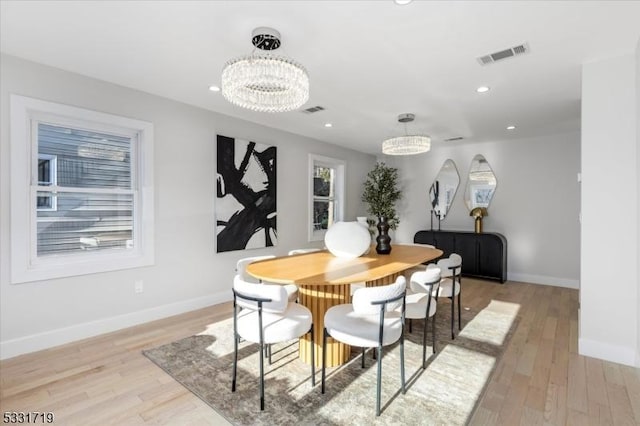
(347, 239)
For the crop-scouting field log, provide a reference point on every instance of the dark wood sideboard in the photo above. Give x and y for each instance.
(483, 255)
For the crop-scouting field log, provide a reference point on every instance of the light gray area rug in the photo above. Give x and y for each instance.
(447, 392)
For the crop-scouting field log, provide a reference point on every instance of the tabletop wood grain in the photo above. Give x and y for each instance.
(323, 268)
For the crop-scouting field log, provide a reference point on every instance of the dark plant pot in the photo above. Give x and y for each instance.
(383, 239)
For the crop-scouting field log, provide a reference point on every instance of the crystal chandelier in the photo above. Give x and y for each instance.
(408, 144)
(265, 82)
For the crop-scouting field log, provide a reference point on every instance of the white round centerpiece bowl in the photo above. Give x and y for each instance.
(347, 239)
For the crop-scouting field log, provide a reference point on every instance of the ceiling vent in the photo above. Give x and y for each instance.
(313, 109)
(457, 138)
(521, 49)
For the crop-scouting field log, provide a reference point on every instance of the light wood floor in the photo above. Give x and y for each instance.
(540, 379)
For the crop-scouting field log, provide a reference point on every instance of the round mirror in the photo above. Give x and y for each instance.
(444, 188)
(481, 184)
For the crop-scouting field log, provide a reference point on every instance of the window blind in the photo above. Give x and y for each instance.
(93, 193)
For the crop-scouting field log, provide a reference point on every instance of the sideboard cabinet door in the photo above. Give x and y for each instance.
(492, 257)
(483, 255)
(466, 245)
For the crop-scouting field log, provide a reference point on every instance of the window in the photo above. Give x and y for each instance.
(47, 167)
(326, 194)
(89, 184)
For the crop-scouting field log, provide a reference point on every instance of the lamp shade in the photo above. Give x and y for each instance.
(406, 145)
(265, 83)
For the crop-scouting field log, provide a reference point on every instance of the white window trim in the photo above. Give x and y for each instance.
(340, 167)
(24, 266)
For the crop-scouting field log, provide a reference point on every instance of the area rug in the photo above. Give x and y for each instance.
(446, 392)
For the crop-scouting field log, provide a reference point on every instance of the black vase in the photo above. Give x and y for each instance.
(383, 239)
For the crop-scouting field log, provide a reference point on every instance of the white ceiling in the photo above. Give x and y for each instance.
(368, 61)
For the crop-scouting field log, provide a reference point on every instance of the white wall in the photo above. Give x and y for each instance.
(535, 205)
(610, 193)
(188, 274)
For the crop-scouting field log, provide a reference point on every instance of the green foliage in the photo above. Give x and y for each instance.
(324, 173)
(381, 193)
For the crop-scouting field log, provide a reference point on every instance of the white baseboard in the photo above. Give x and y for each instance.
(544, 279)
(608, 352)
(48, 339)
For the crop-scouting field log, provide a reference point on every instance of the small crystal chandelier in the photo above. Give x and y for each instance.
(265, 82)
(408, 144)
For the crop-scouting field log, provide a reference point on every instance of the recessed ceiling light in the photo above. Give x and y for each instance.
(214, 88)
(511, 127)
(483, 89)
(402, 2)
(328, 125)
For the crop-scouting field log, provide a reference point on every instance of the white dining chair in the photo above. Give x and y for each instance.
(422, 305)
(450, 284)
(241, 270)
(374, 319)
(263, 314)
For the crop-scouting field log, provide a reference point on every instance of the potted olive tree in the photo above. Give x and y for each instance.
(381, 193)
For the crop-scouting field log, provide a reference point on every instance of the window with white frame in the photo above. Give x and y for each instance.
(82, 191)
(326, 194)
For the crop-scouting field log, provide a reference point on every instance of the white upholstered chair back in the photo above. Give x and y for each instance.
(241, 267)
(277, 294)
(420, 281)
(453, 261)
(363, 297)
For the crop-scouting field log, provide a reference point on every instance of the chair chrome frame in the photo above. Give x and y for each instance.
(383, 305)
(432, 287)
(455, 274)
(236, 340)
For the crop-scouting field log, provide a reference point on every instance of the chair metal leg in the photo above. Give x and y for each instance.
(313, 358)
(324, 355)
(410, 326)
(452, 316)
(235, 362)
(363, 351)
(424, 343)
(378, 383)
(404, 390)
(269, 352)
(433, 332)
(459, 311)
(236, 340)
(262, 348)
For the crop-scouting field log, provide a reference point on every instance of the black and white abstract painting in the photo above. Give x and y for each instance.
(246, 195)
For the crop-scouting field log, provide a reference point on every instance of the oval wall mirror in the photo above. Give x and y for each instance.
(443, 189)
(481, 184)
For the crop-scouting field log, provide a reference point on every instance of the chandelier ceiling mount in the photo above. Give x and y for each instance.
(265, 38)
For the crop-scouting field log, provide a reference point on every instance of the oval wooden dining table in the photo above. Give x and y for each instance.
(325, 280)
